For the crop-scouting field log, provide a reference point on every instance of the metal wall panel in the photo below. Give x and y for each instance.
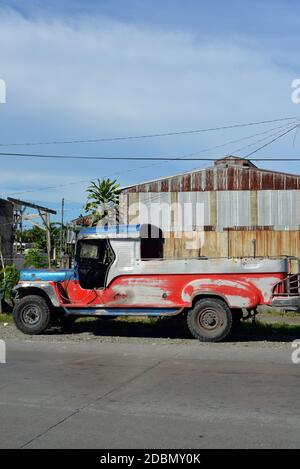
(190, 211)
(233, 208)
(234, 243)
(280, 208)
(195, 208)
(155, 209)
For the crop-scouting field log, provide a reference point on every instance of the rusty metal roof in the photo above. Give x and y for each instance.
(230, 173)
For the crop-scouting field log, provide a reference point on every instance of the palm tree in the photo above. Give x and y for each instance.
(103, 201)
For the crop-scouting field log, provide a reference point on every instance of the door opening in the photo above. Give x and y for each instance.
(93, 258)
(152, 242)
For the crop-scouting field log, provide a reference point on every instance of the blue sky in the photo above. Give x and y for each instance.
(77, 70)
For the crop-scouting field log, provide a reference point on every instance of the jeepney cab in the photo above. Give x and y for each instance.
(103, 252)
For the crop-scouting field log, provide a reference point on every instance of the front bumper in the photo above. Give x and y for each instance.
(287, 302)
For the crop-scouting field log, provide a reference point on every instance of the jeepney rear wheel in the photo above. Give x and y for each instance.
(210, 320)
(32, 314)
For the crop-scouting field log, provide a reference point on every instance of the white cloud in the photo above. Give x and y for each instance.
(98, 77)
(110, 72)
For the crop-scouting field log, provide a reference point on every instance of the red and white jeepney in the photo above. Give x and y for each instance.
(120, 270)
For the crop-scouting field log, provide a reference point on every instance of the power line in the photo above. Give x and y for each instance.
(154, 135)
(247, 137)
(140, 158)
(185, 157)
(272, 141)
(278, 134)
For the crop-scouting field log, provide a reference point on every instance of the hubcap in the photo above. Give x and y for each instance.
(209, 319)
(31, 315)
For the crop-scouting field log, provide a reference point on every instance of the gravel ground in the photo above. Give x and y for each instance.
(167, 331)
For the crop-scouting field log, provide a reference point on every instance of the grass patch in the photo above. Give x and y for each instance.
(86, 319)
(6, 318)
(263, 328)
(152, 321)
(278, 312)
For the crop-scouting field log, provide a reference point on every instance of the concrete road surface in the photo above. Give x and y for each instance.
(89, 394)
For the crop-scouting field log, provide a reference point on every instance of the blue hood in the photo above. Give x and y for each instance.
(45, 275)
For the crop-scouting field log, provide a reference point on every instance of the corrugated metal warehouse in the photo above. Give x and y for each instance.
(232, 209)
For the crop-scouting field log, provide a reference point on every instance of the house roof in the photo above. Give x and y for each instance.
(229, 173)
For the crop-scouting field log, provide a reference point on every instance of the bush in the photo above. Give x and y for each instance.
(34, 258)
(9, 277)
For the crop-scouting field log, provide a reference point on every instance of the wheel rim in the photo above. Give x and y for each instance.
(209, 319)
(31, 315)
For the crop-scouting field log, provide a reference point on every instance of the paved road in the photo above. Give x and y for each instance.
(153, 395)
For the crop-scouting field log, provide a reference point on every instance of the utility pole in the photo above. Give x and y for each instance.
(48, 235)
(62, 230)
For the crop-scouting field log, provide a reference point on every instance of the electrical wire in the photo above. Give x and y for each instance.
(140, 158)
(154, 135)
(278, 134)
(290, 127)
(272, 141)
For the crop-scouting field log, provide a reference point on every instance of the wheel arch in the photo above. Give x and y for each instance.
(210, 296)
(234, 293)
(47, 293)
(201, 296)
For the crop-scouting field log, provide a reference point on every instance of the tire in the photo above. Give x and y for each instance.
(210, 320)
(32, 314)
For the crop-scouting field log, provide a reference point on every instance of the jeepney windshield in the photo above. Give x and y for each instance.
(88, 251)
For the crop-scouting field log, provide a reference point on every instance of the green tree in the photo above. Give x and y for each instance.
(103, 201)
(37, 236)
(34, 258)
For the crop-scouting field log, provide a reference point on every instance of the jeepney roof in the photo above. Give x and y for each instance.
(113, 231)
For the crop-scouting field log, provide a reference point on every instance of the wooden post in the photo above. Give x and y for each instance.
(228, 243)
(254, 247)
(48, 235)
(46, 220)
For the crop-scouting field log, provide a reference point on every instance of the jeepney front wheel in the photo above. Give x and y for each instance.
(32, 314)
(210, 320)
